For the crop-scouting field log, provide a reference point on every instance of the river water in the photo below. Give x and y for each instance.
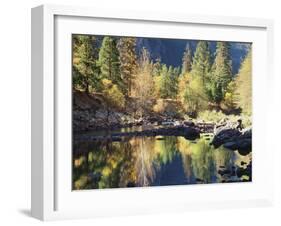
(156, 161)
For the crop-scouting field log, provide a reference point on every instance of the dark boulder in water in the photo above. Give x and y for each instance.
(245, 171)
(225, 135)
(233, 139)
(189, 123)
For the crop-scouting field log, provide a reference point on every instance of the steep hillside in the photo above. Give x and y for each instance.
(170, 51)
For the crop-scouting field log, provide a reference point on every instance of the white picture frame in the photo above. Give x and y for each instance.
(52, 198)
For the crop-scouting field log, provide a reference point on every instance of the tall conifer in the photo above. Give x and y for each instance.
(85, 69)
(221, 72)
(109, 61)
(128, 62)
(201, 65)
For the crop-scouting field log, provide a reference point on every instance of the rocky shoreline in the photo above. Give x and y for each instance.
(234, 139)
(226, 136)
(88, 115)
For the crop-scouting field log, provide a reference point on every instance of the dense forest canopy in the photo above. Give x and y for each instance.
(131, 80)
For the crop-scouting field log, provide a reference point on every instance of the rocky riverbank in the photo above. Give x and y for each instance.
(89, 114)
(233, 139)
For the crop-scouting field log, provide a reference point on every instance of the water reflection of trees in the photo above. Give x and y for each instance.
(137, 161)
(103, 166)
(144, 158)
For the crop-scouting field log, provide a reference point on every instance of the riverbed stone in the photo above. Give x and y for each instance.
(234, 139)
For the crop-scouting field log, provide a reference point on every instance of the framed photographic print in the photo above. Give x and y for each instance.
(134, 112)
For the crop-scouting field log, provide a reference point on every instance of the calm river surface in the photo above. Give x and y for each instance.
(155, 161)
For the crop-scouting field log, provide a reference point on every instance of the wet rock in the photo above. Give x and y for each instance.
(188, 123)
(245, 171)
(247, 133)
(240, 172)
(243, 146)
(233, 139)
(225, 135)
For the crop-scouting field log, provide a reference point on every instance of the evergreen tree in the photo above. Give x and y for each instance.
(109, 61)
(194, 96)
(172, 82)
(128, 62)
(187, 60)
(164, 80)
(201, 64)
(244, 84)
(168, 82)
(221, 73)
(85, 68)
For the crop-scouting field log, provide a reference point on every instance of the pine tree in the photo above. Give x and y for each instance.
(194, 95)
(128, 62)
(168, 84)
(109, 61)
(164, 82)
(85, 68)
(175, 72)
(221, 73)
(201, 64)
(187, 60)
(244, 84)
